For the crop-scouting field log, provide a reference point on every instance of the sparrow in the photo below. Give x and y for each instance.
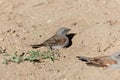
(57, 41)
(111, 61)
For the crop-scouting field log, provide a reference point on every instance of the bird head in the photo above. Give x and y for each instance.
(115, 56)
(63, 31)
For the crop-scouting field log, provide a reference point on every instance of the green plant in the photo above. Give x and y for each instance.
(36, 55)
(15, 58)
(32, 56)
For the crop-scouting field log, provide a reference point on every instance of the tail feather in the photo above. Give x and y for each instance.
(82, 58)
(36, 46)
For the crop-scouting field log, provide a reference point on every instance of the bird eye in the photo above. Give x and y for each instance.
(66, 30)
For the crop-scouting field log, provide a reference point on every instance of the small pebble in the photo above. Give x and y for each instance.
(17, 35)
(2, 49)
(9, 30)
(49, 21)
(58, 70)
(1, 39)
(13, 31)
(65, 79)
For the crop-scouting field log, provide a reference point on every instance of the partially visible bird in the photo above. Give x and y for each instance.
(59, 40)
(112, 61)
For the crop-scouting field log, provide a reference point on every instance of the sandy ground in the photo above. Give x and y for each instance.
(96, 23)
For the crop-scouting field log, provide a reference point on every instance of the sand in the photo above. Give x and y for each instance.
(25, 22)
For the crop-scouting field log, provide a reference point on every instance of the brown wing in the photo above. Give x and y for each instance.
(55, 40)
(103, 61)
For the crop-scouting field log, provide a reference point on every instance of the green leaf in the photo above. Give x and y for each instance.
(6, 54)
(5, 62)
